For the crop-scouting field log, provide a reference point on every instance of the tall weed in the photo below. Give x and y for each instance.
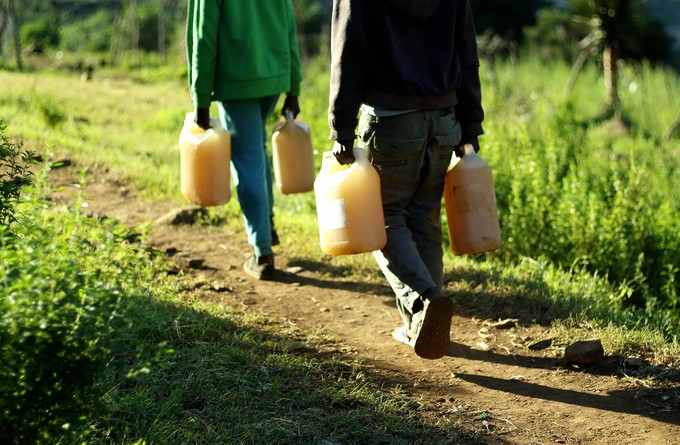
(588, 194)
(14, 175)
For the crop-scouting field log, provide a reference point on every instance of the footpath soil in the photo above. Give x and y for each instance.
(490, 382)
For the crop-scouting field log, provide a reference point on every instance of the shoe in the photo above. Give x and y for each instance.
(275, 236)
(402, 335)
(433, 325)
(261, 268)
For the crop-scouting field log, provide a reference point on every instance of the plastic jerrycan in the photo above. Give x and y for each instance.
(349, 206)
(293, 155)
(470, 202)
(205, 157)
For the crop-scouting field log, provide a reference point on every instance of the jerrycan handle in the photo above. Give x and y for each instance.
(468, 152)
(295, 122)
(331, 165)
(195, 134)
(360, 156)
(289, 115)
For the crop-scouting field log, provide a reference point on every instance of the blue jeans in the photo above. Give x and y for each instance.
(411, 152)
(252, 171)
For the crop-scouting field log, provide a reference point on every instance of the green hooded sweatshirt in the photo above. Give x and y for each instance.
(241, 50)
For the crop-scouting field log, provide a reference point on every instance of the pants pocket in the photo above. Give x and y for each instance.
(443, 152)
(398, 161)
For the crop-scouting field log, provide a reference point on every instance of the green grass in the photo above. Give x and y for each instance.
(594, 195)
(232, 379)
(116, 123)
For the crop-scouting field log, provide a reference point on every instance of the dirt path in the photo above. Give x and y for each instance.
(489, 382)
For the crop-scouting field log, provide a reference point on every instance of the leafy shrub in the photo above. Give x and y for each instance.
(588, 208)
(43, 33)
(91, 34)
(553, 35)
(14, 175)
(68, 284)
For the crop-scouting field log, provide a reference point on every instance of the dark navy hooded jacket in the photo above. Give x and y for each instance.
(403, 54)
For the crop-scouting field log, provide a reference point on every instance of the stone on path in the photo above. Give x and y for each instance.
(584, 352)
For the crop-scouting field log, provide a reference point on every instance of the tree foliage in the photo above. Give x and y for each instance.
(90, 34)
(622, 24)
(41, 34)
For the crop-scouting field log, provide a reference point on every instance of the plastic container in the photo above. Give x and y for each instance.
(293, 155)
(349, 206)
(205, 157)
(470, 201)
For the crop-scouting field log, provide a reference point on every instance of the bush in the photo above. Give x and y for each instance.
(553, 35)
(91, 34)
(68, 283)
(41, 34)
(14, 175)
(593, 209)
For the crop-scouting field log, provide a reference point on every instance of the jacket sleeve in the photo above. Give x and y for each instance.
(295, 64)
(469, 110)
(348, 43)
(202, 23)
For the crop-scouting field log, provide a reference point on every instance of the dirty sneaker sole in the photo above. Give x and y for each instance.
(434, 335)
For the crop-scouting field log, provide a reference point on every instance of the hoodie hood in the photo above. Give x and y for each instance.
(420, 10)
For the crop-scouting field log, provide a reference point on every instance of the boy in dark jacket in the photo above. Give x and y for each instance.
(411, 68)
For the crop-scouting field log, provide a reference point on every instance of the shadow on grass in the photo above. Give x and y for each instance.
(236, 377)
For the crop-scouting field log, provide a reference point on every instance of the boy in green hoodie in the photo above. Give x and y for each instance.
(244, 54)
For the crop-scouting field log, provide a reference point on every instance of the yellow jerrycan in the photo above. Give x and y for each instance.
(470, 202)
(349, 206)
(205, 157)
(293, 155)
